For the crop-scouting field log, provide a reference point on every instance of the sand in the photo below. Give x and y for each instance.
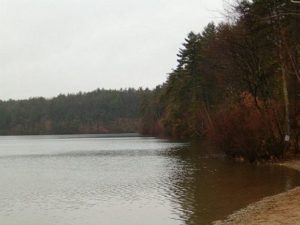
(281, 209)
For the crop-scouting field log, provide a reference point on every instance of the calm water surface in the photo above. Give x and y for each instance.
(125, 180)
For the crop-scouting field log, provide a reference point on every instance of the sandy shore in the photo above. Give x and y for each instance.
(282, 209)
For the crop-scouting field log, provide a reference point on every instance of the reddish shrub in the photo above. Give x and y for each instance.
(247, 129)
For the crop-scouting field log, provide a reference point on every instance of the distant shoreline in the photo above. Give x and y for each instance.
(283, 208)
(50, 136)
(77, 134)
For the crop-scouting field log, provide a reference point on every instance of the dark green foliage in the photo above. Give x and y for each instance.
(152, 108)
(183, 101)
(100, 111)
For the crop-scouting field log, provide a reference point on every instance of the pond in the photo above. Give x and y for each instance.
(126, 180)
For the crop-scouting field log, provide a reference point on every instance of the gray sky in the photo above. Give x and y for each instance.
(49, 47)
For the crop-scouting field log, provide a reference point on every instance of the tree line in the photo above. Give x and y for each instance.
(236, 83)
(99, 111)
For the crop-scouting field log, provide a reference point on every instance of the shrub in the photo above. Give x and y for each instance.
(248, 129)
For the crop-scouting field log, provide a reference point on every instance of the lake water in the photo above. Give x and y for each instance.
(125, 180)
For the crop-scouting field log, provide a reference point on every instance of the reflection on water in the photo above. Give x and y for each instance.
(206, 186)
(126, 180)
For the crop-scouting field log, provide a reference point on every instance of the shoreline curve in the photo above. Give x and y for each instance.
(280, 209)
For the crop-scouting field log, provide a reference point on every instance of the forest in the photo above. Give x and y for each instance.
(99, 111)
(236, 84)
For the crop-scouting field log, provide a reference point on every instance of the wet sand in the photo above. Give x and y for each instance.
(281, 209)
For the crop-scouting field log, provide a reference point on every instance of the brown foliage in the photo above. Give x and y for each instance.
(246, 129)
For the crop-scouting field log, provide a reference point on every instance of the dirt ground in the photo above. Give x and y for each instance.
(282, 209)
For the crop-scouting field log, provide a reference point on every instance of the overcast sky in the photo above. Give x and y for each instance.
(49, 47)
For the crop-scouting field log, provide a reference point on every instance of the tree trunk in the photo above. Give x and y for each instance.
(285, 91)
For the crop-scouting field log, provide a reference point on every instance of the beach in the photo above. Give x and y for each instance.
(281, 209)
